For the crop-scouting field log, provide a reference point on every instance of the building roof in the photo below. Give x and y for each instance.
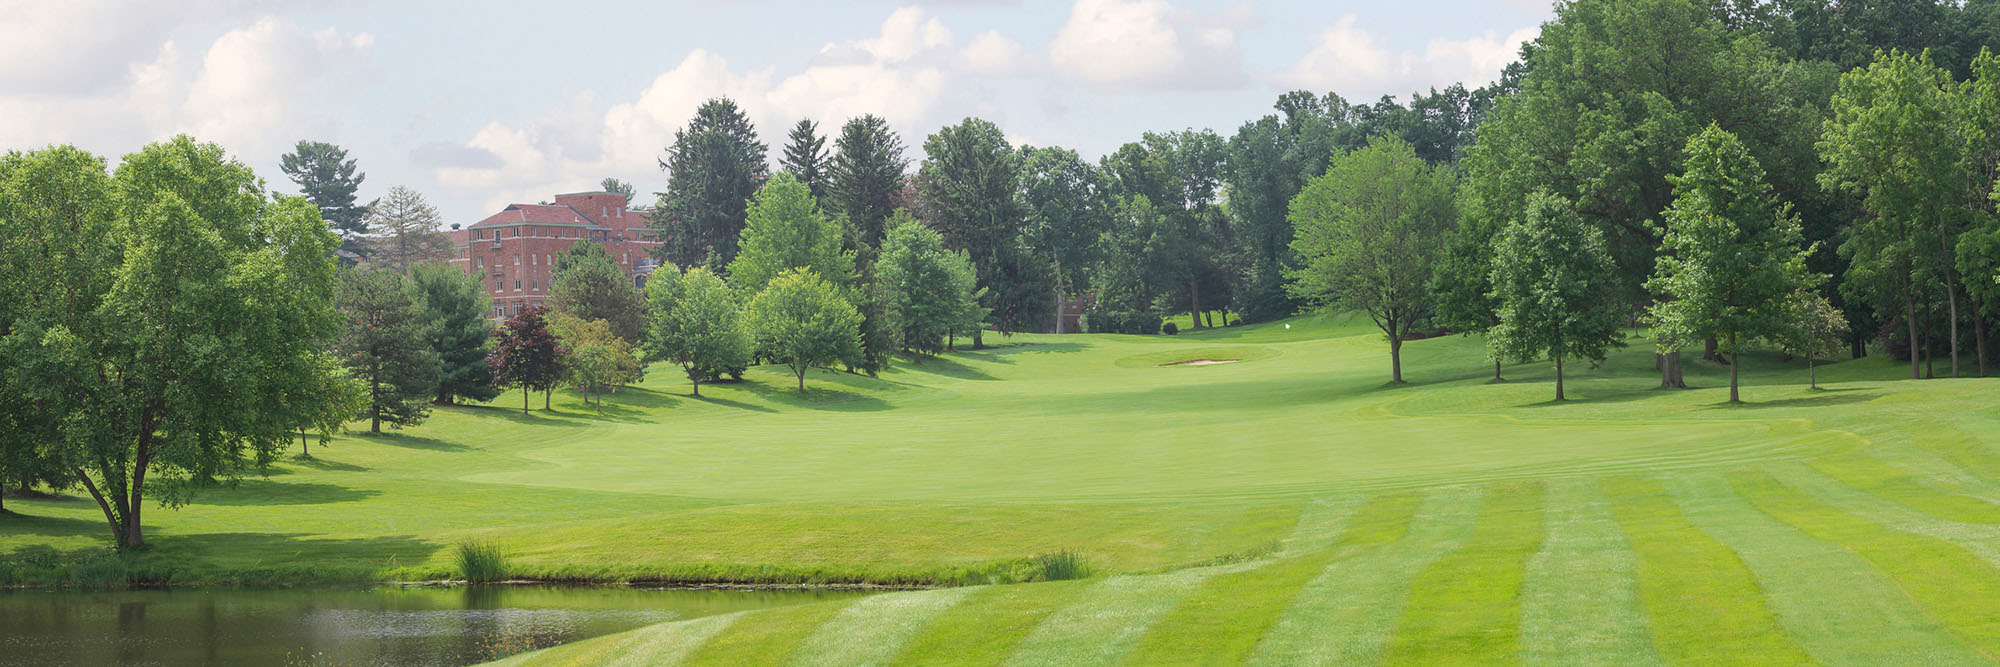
(536, 213)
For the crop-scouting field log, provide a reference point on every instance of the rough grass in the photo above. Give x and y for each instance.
(1291, 509)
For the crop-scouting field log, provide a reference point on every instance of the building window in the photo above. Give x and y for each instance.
(549, 259)
(499, 285)
(531, 258)
(517, 285)
(477, 262)
(534, 285)
(517, 259)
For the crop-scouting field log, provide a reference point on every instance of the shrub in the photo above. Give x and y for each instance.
(481, 562)
(38, 555)
(1060, 566)
(1170, 328)
(102, 571)
(1122, 322)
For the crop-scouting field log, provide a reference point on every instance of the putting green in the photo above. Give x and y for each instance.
(1287, 508)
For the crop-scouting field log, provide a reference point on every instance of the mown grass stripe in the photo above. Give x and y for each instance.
(871, 631)
(1343, 615)
(1108, 618)
(1703, 604)
(765, 637)
(1465, 607)
(1954, 585)
(1579, 602)
(987, 625)
(660, 644)
(1874, 476)
(1222, 623)
(1980, 539)
(1838, 606)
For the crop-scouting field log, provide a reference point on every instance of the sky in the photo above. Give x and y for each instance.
(481, 104)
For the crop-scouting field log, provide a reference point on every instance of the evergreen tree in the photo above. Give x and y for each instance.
(408, 231)
(866, 176)
(692, 319)
(1732, 256)
(1369, 233)
(526, 355)
(388, 346)
(585, 283)
(786, 230)
(326, 176)
(806, 158)
(805, 322)
(713, 166)
(458, 304)
(1553, 280)
(620, 187)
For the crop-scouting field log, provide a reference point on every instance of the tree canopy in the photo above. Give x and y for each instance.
(694, 320)
(786, 230)
(804, 322)
(713, 166)
(327, 178)
(1553, 280)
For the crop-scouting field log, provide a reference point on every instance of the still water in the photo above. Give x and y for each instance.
(385, 626)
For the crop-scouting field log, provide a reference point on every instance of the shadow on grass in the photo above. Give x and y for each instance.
(947, 367)
(408, 441)
(640, 397)
(21, 521)
(724, 402)
(265, 492)
(1824, 398)
(818, 397)
(317, 463)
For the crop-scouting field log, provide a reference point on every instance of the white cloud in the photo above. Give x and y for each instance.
(1147, 44)
(1349, 60)
(994, 54)
(904, 73)
(255, 90)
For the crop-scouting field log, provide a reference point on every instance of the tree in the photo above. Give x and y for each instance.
(1069, 208)
(1369, 232)
(326, 176)
(1553, 280)
(388, 345)
(408, 231)
(1892, 141)
(786, 230)
(458, 304)
(970, 176)
(805, 322)
(692, 319)
(169, 308)
(1193, 256)
(526, 355)
(595, 360)
(619, 187)
(806, 158)
(1460, 283)
(1732, 255)
(713, 166)
(931, 290)
(585, 283)
(1818, 330)
(866, 176)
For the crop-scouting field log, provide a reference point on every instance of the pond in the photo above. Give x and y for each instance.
(382, 626)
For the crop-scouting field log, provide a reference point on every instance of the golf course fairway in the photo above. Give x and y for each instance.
(1287, 507)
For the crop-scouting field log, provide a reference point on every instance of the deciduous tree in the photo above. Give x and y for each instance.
(587, 284)
(408, 231)
(596, 360)
(1553, 280)
(932, 290)
(693, 320)
(1818, 330)
(970, 177)
(526, 355)
(805, 322)
(786, 230)
(1369, 233)
(1069, 208)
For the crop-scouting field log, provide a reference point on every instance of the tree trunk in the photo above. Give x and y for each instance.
(1559, 377)
(978, 341)
(524, 400)
(802, 380)
(1708, 350)
(1670, 370)
(546, 393)
(1733, 397)
(1194, 303)
(1979, 341)
(375, 402)
(1496, 371)
(305, 447)
(1395, 354)
(1812, 376)
(1951, 298)
(1910, 320)
(1059, 309)
(697, 386)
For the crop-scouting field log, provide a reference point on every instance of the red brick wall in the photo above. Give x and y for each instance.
(517, 263)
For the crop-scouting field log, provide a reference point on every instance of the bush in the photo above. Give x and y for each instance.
(38, 555)
(481, 562)
(1060, 566)
(102, 571)
(1122, 322)
(1170, 328)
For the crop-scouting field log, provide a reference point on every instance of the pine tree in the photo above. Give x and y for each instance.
(865, 176)
(388, 345)
(806, 157)
(326, 176)
(713, 166)
(458, 304)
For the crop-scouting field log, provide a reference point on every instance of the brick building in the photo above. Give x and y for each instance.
(513, 251)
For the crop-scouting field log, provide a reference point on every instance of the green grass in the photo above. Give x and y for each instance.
(1290, 508)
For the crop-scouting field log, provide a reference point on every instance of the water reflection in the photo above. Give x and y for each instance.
(394, 626)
